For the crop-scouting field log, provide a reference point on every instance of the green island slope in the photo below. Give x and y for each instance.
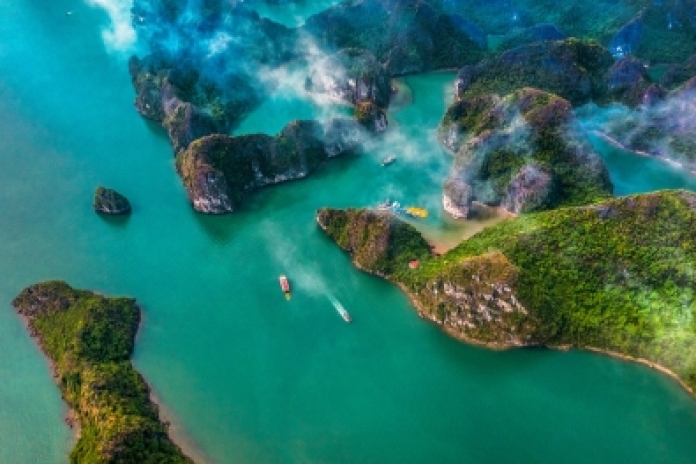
(89, 339)
(617, 276)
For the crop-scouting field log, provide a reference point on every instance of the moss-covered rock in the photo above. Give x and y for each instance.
(377, 241)
(520, 152)
(408, 36)
(573, 69)
(371, 117)
(108, 201)
(617, 276)
(218, 171)
(351, 75)
(89, 340)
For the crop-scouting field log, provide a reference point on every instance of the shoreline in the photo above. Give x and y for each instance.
(70, 418)
(497, 347)
(176, 431)
(69, 415)
(668, 161)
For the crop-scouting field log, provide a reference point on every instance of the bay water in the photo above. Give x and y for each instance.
(245, 375)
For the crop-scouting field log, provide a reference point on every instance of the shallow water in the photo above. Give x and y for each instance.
(249, 376)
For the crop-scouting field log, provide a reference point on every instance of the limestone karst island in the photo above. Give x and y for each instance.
(340, 231)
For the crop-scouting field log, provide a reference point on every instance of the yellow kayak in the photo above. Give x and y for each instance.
(417, 212)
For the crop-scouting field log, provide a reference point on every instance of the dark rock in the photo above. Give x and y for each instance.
(520, 152)
(109, 201)
(572, 69)
(353, 76)
(628, 81)
(457, 197)
(626, 41)
(342, 136)
(371, 117)
(537, 33)
(409, 36)
(219, 171)
(531, 189)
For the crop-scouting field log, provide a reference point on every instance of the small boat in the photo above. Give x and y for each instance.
(417, 212)
(285, 286)
(340, 309)
(388, 160)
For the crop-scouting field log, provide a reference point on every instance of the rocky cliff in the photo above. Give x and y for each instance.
(108, 201)
(218, 171)
(617, 276)
(521, 152)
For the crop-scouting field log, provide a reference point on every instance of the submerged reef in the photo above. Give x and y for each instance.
(616, 276)
(89, 340)
(219, 170)
(521, 152)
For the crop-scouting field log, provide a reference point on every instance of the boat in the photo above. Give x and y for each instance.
(285, 286)
(416, 212)
(340, 309)
(388, 160)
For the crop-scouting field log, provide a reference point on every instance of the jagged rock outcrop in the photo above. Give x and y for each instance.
(457, 197)
(371, 117)
(520, 152)
(628, 82)
(108, 201)
(377, 241)
(185, 104)
(408, 36)
(218, 171)
(353, 76)
(572, 69)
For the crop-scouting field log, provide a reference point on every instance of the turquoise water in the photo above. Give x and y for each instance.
(246, 375)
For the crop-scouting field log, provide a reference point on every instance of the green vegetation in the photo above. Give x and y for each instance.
(89, 340)
(378, 242)
(500, 143)
(618, 275)
(573, 69)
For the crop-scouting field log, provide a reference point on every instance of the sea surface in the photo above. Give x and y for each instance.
(245, 375)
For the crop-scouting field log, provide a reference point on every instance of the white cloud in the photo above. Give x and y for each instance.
(120, 34)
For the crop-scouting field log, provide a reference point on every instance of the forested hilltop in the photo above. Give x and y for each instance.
(618, 276)
(89, 340)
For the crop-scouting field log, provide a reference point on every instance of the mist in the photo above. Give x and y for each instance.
(120, 35)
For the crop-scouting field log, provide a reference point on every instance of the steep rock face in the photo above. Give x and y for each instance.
(628, 82)
(476, 299)
(377, 241)
(571, 68)
(187, 105)
(218, 171)
(108, 201)
(353, 76)
(408, 36)
(536, 33)
(519, 152)
(371, 117)
(617, 275)
(457, 197)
